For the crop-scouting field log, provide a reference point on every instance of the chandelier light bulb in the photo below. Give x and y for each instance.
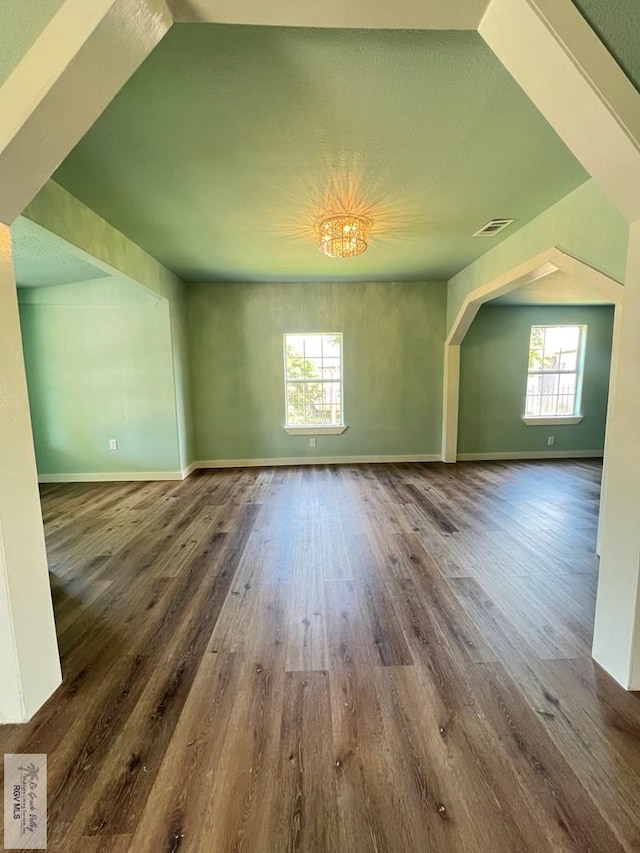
(343, 235)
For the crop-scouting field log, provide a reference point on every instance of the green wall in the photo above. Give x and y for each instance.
(493, 370)
(99, 366)
(82, 232)
(392, 353)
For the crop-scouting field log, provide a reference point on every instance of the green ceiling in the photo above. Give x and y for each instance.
(221, 152)
(41, 259)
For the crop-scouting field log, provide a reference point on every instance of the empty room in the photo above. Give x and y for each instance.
(319, 391)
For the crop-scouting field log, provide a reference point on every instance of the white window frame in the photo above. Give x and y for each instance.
(576, 416)
(312, 429)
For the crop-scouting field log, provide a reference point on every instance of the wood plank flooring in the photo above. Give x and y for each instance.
(355, 658)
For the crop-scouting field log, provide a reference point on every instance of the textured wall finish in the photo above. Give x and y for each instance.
(41, 259)
(99, 367)
(392, 354)
(97, 241)
(493, 372)
(57, 211)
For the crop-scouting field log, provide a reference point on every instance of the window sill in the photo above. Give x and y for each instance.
(557, 421)
(314, 430)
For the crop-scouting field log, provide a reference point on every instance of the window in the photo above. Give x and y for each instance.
(313, 380)
(555, 372)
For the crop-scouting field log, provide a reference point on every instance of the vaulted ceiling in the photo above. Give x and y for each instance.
(228, 144)
(222, 150)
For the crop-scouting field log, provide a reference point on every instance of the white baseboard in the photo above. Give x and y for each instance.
(191, 467)
(530, 454)
(110, 477)
(315, 460)
(142, 476)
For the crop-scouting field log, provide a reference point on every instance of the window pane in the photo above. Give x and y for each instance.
(295, 344)
(568, 360)
(548, 405)
(550, 383)
(313, 346)
(561, 337)
(534, 385)
(295, 404)
(312, 368)
(532, 406)
(535, 359)
(537, 337)
(331, 346)
(331, 368)
(294, 350)
(567, 384)
(567, 394)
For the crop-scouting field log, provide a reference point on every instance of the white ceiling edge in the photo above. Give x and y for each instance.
(84, 57)
(557, 288)
(356, 14)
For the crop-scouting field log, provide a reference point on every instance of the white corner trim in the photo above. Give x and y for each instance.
(452, 15)
(191, 467)
(314, 460)
(530, 454)
(578, 87)
(450, 402)
(78, 63)
(315, 430)
(111, 477)
(533, 269)
(538, 267)
(559, 421)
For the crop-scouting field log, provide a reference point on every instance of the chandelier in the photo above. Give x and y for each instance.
(343, 235)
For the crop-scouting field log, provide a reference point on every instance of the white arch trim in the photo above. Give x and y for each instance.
(402, 14)
(548, 262)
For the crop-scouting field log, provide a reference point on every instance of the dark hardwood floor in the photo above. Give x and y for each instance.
(373, 658)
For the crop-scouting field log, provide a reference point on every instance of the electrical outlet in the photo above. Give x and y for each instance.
(113, 444)
(312, 442)
(551, 440)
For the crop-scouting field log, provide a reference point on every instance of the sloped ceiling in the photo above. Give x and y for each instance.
(42, 260)
(558, 288)
(224, 149)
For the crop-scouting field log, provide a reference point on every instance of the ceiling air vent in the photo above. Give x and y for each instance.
(493, 227)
